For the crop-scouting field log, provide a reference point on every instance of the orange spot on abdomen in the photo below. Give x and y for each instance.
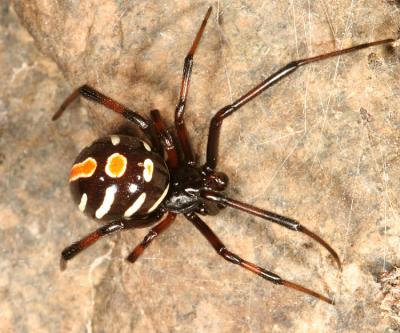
(116, 165)
(84, 169)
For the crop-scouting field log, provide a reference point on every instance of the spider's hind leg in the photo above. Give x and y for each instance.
(151, 235)
(77, 247)
(95, 96)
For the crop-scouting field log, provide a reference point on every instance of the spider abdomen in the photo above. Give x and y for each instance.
(118, 176)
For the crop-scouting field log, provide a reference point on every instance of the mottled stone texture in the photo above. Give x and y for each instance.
(322, 147)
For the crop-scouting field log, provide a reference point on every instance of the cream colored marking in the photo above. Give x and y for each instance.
(148, 169)
(145, 144)
(133, 188)
(135, 206)
(107, 202)
(160, 199)
(82, 204)
(115, 139)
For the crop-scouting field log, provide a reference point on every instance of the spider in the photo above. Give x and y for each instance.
(133, 183)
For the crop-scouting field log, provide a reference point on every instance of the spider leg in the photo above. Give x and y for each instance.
(235, 259)
(77, 247)
(269, 216)
(97, 97)
(180, 108)
(166, 139)
(153, 233)
(216, 121)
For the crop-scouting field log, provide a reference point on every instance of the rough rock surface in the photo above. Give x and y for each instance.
(322, 147)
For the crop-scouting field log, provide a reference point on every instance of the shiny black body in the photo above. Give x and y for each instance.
(186, 185)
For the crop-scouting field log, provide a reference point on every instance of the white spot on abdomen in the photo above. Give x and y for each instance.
(133, 188)
(135, 206)
(160, 199)
(115, 139)
(148, 169)
(107, 202)
(146, 146)
(82, 204)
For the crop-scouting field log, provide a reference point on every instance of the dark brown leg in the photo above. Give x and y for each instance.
(153, 233)
(166, 139)
(77, 247)
(95, 96)
(269, 216)
(235, 259)
(180, 108)
(216, 121)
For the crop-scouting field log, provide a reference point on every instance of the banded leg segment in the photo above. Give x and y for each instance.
(216, 121)
(77, 247)
(153, 233)
(97, 97)
(270, 216)
(235, 259)
(166, 139)
(180, 108)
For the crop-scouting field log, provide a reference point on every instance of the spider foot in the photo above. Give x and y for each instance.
(306, 291)
(318, 239)
(63, 264)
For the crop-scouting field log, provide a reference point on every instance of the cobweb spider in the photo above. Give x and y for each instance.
(128, 182)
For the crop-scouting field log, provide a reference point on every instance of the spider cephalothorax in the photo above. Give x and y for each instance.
(125, 180)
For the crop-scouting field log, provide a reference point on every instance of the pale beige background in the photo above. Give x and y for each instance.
(321, 147)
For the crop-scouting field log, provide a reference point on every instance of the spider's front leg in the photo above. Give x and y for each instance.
(235, 259)
(218, 118)
(269, 216)
(180, 108)
(166, 140)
